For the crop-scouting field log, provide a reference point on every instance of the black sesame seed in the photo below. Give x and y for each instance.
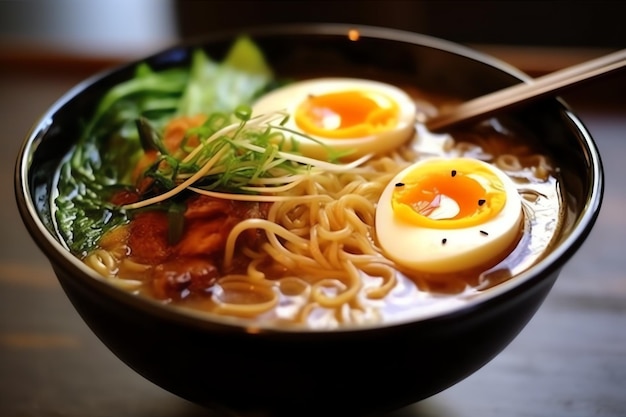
(481, 202)
(482, 232)
(399, 184)
(453, 173)
(443, 241)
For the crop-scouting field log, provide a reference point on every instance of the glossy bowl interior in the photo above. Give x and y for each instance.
(353, 370)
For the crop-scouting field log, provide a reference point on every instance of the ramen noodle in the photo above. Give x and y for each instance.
(321, 203)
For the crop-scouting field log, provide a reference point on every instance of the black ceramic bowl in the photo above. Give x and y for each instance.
(354, 370)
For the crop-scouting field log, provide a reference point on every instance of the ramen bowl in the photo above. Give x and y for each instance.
(355, 369)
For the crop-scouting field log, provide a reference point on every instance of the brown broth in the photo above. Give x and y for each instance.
(414, 294)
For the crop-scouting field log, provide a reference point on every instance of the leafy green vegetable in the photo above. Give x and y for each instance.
(221, 87)
(110, 145)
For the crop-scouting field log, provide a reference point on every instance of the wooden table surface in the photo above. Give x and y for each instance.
(569, 361)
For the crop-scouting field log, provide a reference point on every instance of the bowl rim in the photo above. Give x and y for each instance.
(61, 258)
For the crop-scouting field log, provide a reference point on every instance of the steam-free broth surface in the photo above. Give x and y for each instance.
(217, 209)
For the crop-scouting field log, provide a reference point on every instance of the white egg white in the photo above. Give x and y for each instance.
(437, 251)
(289, 97)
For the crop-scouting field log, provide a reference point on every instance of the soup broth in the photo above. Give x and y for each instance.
(308, 253)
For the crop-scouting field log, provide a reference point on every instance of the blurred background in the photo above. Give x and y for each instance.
(106, 26)
(123, 28)
(49, 46)
(84, 36)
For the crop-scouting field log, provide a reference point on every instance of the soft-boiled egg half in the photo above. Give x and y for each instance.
(350, 115)
(447, 215)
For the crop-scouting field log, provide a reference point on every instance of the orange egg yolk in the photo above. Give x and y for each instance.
(347, 114)
(448, 195)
